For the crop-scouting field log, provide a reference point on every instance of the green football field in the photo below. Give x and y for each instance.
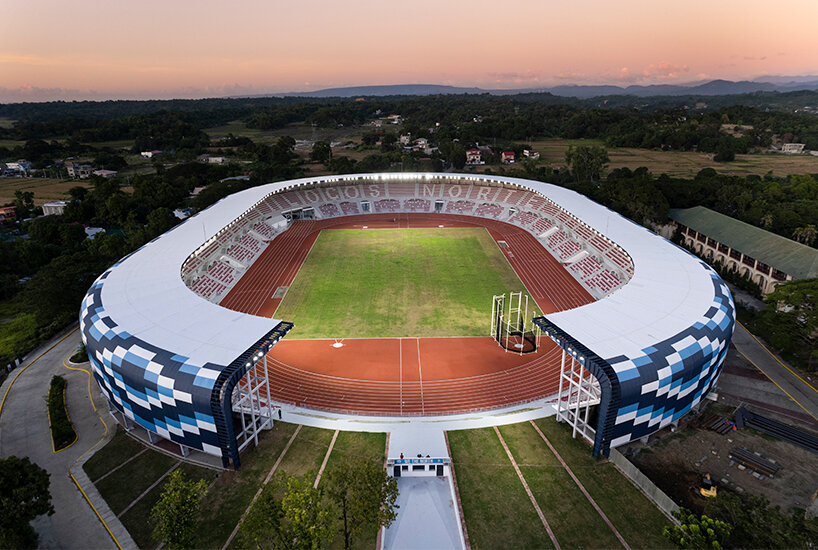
(398, 282)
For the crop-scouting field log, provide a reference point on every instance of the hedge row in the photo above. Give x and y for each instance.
(62, 432)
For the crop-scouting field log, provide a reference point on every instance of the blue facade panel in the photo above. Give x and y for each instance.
(156, 388)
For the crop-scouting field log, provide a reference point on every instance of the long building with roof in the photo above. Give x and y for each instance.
(766, 258)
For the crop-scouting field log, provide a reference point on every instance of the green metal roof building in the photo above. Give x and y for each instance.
(738, 243)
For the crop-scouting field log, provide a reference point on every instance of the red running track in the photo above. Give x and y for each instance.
(407, 376)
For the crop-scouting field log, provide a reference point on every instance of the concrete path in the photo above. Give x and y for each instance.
(24, 431)
(798, 389)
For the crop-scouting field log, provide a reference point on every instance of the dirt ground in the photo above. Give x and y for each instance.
(676, 460)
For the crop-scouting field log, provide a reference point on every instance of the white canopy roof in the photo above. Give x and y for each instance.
(146, 296)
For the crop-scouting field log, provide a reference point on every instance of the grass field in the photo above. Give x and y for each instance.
(124, 468)
(398, 283)
(44, 189)
(682, 164)
(499, 514)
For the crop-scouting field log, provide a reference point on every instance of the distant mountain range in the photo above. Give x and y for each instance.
(770, 83)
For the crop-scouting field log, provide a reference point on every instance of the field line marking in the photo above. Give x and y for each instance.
(260, 489)
(148, 490)
(777, 359)
(31, 363)
(120, 465)
(295, 255)
(65, 364)
(779, 387)
(503, 254)
(326, 459)
(527, 489)
(581, 486)
(420, 377)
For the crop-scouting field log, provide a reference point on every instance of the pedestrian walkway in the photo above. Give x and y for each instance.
(24, 431)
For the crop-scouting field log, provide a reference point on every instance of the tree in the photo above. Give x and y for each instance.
(24, 496)
(321, 152)
(23, 203)
(586, 161)
(174, 515)
(805, 234)
(365, 495)
(300, 520)
(756, 524)
(697, 532)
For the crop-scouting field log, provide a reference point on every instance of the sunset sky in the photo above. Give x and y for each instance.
(101, 49)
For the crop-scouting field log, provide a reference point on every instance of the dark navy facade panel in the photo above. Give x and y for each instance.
(670, 377)
(161, 391)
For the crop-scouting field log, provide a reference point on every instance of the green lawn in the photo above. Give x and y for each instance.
(497, 510)
(398, 282)
(499, 514)
(638, 520)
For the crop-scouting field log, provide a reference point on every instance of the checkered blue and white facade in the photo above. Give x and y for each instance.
(162, 391)
(666, 379)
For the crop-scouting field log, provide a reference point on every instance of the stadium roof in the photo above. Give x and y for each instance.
(793, 258)
(146, 294)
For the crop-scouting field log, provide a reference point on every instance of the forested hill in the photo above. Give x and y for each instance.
(217, 110)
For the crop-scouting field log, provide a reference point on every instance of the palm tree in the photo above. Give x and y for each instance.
(805, 234)
(766, 221)
(809, 233)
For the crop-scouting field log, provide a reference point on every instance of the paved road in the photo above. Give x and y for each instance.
(798, 389)
(24, 432)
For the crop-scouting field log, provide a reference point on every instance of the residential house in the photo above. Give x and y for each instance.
(107, 174)
(54, 208)
(474, 156)
(7, 212)
(507, 157)
(530, 153)
(792, 148)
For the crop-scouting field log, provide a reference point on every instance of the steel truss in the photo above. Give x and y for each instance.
(251, 401)
(579, 391)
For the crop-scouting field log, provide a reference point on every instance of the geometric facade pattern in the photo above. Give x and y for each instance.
(157, 389)
(646, 392)
(670, 377)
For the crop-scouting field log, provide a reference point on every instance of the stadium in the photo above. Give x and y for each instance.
(386, 296)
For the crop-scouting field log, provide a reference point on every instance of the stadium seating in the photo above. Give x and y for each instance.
(600, 243)
(523, 218)
(387, 205)
(555, 239)
(190, 265)
(620, 258)
(250, 244)
(329, 210)
(459, 207)
(207, 288)
(417, 205)
(264, 229)
(586, 267)
(239, 253)
(542, 225)
(264, 208)
(222, 272)
(489, 210)
(604, 281)
(350, 208)
(567, 250)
